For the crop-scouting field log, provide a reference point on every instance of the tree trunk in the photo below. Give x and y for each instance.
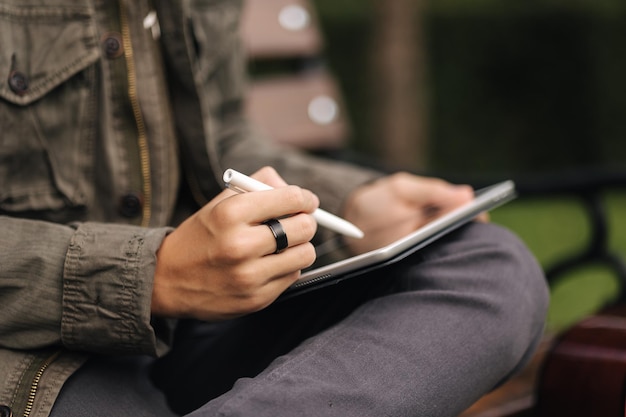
(398, 84)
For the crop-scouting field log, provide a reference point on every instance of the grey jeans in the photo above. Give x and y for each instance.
(426, 337)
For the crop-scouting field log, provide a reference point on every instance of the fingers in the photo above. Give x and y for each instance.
(277, 203)
(263, 280)
(239, 222)
(281, 201)
(285, 264)
(430, 192)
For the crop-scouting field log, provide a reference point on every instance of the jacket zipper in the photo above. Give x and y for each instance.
(144, 155)
(35, 384)
(34, 372)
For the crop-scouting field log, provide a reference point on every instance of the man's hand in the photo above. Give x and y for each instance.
(396, 205)
(220, 263)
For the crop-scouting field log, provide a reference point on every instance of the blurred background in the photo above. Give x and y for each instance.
(533, 84)
(480, 91)
(494, 89)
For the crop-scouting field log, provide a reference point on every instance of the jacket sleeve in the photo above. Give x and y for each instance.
(331, 180)
(220, 78)
(87, 286)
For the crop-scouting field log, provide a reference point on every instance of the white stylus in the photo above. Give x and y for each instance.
(241, 183)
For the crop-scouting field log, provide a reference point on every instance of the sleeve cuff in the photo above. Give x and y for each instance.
(107, 289)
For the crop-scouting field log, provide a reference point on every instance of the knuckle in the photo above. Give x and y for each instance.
(223, 213)
(308, 227)
(244, 279)
(399, 180)
(308, 254)
(468, 190)
(235, 248)
(402, 176)
(267, 171)
(304, 255)
(294, 196)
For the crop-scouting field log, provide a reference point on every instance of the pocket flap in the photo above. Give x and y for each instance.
(42, 47)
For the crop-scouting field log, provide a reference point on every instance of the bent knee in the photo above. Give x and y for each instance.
(517, 287)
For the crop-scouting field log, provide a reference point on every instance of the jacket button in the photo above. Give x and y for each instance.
(112, 44)
(130, 205)
(5, 411)
(18, 82)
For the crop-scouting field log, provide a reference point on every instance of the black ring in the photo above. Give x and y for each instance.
(279, 234)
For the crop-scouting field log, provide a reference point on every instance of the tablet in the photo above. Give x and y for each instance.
(325, 274)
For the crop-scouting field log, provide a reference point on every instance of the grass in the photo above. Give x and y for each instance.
(557, 228)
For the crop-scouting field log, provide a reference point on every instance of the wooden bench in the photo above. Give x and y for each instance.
(292, 95)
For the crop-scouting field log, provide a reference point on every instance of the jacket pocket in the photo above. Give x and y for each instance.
(47, 104)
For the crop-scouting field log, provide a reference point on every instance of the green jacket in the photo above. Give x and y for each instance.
(100, 121)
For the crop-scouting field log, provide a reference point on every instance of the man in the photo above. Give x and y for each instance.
(132, 284)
